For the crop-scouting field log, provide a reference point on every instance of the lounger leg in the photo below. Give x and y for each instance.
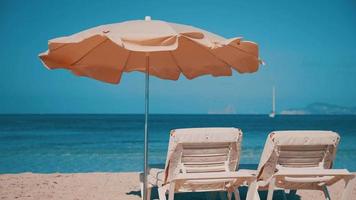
(149, 189)
(141, 186)
(162, 193)
(326, 192)
(271, 189)
(252, 192)
(237, 194)
(229, 195)
(171, 190)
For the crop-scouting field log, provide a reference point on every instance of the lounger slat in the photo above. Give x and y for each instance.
(224, 175)
(208, 181)
(206, 146)
(300, 165)
(204, 163)
(297, 154)
(312, 172)
(204, 155)
(209, 164)
(299, 160)
(303, 148)
(205, 169)
(204, 158)
(223, 150)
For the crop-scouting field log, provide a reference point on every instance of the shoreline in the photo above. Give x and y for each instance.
(103, 185)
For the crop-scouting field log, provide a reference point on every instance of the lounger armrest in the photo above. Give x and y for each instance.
(313, 172)
(216, 175)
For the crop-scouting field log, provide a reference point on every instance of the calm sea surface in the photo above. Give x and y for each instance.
(106, 143)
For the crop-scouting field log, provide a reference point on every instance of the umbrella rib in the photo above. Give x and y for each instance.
(126, 61)
(59, 47)
(246, 52)
(202, 47)
(88, 52)
(176, 62)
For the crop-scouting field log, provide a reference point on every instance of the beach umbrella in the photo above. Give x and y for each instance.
(158, 48)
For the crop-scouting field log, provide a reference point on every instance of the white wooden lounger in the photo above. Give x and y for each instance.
(200, 160)
(293, 160)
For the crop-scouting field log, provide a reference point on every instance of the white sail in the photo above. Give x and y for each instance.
(273, 113)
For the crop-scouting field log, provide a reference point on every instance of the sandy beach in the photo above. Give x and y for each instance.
(107, 186)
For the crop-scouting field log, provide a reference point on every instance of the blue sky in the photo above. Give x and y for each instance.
(309, 48)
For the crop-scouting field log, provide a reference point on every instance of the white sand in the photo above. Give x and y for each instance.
(102, 186)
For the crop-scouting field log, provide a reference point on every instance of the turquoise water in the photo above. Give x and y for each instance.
(106, 143)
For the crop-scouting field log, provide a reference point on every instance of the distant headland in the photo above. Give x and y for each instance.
(321, 109)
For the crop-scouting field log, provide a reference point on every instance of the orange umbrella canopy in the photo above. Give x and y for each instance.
(106, 51)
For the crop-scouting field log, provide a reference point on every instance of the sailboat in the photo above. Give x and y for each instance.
(273, 113)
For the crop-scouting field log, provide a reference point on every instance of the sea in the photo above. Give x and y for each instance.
(114, 143)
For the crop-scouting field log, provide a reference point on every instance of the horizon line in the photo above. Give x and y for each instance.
(305, 114)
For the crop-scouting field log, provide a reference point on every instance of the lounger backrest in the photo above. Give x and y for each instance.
(203, 150)
(207, 157)
(302, 156)
(297, 149)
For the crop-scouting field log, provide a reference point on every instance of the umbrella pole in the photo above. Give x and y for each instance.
(147, 87)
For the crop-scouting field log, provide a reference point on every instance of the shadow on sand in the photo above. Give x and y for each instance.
(216, 195)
